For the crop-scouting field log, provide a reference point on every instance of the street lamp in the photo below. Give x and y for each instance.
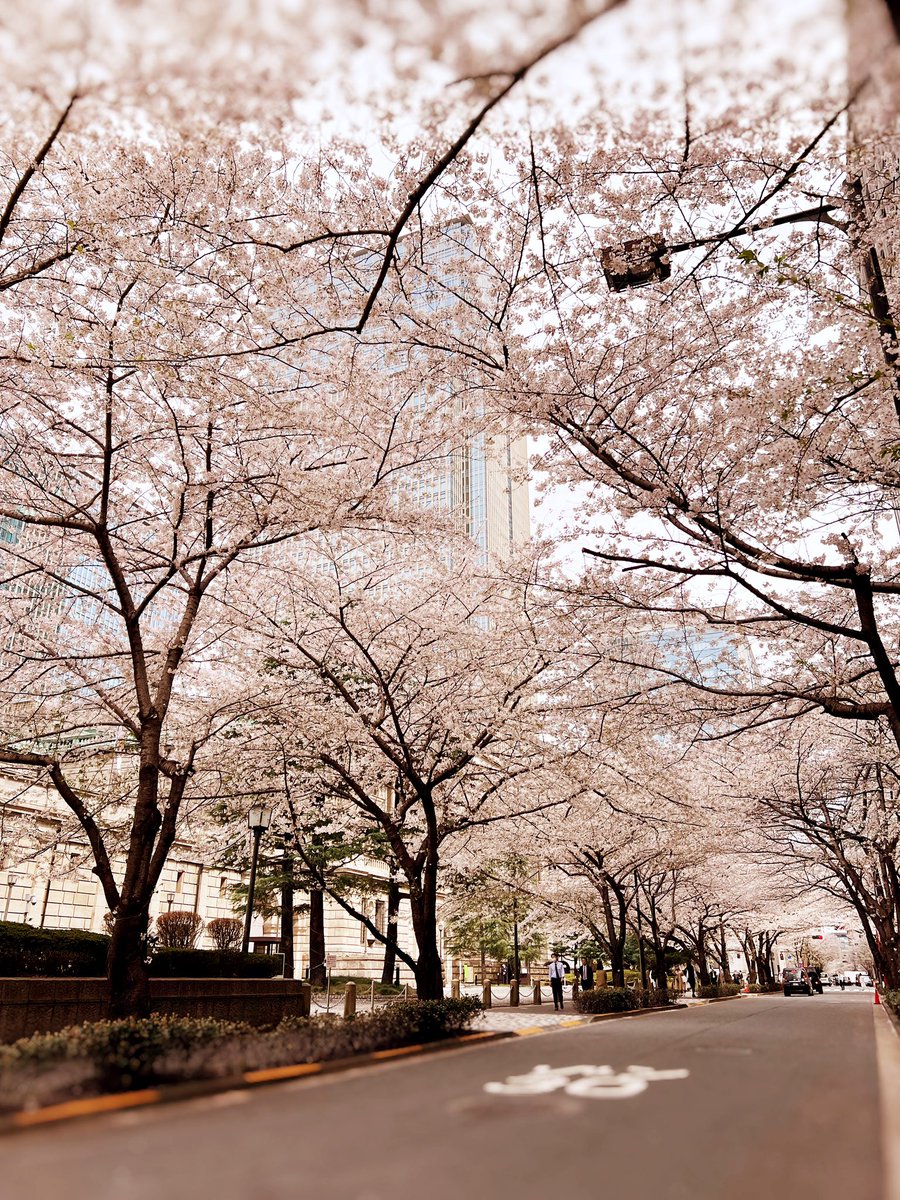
(170, 900)
(11, 880)
(258, 822)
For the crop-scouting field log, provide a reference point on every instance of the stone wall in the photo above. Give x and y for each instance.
(43, 1005)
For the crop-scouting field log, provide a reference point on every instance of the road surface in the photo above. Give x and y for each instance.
(737, 1100)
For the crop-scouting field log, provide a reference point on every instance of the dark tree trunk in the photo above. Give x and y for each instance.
(423, 905)
(287, 914)
(616, 930)
(747, 943)
(390, 950)
(702, 959)
(317, 971)
(723, 951)
(129, 983)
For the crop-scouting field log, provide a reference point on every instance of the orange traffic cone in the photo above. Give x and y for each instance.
(877, 997)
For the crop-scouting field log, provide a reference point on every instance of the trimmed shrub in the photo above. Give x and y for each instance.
(606, 1000)
(892, 999)
(715, 991)
(214, 964)
(119, 1055)
(226, 932)
(178, 930)
(652, 997)
(25, 950)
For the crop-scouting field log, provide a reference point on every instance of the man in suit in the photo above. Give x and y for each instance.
(557, 975)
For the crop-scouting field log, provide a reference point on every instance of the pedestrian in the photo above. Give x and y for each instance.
(587, 975)
(557, 975)
(692, 978)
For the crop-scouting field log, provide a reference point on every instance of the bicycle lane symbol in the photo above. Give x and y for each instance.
(597, 1083)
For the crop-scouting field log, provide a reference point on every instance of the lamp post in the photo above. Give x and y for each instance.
(258, 821)
(11, 880)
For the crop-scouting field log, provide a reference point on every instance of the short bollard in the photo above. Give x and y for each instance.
(537, 994)
(486, 996)
(305, 1000)
(349, 999)
(454, 989)
(514, 994)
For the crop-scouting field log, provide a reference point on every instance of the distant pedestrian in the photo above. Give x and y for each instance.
(692, 978)
(557, 975)
(587, 975)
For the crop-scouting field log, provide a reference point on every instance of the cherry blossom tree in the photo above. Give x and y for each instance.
(427, 690)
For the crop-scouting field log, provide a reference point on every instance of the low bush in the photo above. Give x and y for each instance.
(226, 932)
(178, 930)
(111, 1056)
(652, 997)
(892, 999)
(214, 964)
(757, 989)
(715, 991)
(25, 950)
(606, 1000)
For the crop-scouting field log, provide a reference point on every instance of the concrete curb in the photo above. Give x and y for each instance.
(172, 1093)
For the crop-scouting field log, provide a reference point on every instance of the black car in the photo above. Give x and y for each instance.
(796, 980)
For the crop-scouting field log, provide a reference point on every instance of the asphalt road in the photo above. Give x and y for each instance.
(770, 1096)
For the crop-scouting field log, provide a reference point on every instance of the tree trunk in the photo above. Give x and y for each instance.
(317, 971)
(723, 949)
(615, 934)
(423, 905)
(746, 941)
(129, 982)
(390, 950)
(702, 958)
(287, 914)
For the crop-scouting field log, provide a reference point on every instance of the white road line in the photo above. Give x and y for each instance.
(887, 1052)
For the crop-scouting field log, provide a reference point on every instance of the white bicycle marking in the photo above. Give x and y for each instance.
(594, 1082)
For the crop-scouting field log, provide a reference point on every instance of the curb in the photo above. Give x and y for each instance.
(637, 1012)
(172, 1093)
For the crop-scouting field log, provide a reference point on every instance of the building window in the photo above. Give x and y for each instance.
(380, 915)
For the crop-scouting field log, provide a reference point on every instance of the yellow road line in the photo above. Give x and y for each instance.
(267, 1074)
(395, 1052)
(81, 1108)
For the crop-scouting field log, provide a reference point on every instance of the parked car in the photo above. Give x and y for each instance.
(796, 979)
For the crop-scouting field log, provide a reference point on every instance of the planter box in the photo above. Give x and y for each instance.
(42, 1005)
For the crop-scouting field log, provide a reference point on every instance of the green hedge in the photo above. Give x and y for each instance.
(25, 950)
(613, 999)
(715, 991)
(214, 964)
(112, 1056)
(606, 1000)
